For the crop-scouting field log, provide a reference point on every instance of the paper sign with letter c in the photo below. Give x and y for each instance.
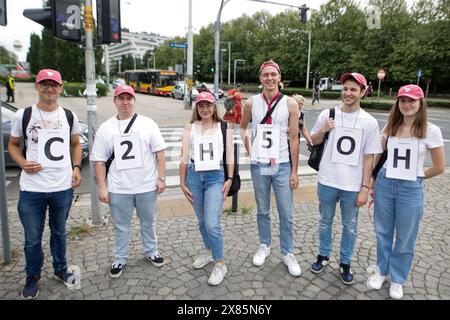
(54, 148)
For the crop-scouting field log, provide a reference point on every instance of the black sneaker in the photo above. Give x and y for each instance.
(346, 273)
(31, 289)
(68, 278)
(116, 270)
(156, 259)
(321, 262)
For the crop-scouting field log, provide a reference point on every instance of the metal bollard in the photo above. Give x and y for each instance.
(234, 200)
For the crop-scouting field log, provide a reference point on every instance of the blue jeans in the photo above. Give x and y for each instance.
(280, 181)
(206, 186)
(32, 208)
(398, 207)
(328, 197)
(121, 207)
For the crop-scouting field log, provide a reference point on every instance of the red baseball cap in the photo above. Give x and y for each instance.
(269, 63)
(205, 96)
(412, 91)
(123, 88)
(357, 76)
(49, 74)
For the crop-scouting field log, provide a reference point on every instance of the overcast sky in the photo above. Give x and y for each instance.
(166, 17)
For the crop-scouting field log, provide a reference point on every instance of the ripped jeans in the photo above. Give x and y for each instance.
(328, 197)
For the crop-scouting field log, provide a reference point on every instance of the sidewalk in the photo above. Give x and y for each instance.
(180, 242)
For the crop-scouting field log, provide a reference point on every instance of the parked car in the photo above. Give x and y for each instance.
(8, 112)
(117, 82)
(179, 90)
(210, 87)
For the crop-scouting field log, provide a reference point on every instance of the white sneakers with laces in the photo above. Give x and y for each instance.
(396, 291)
(261, 255)
(292, 264)
(203, 260)
(375, 280)
(218, 273)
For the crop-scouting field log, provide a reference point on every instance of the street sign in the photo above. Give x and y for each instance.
(178, 45)
(381, 74)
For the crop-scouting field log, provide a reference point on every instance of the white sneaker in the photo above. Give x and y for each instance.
(375, 280)
(396, 291)
(218, 273)
(261, 255)
(293, 267)
(202, 261)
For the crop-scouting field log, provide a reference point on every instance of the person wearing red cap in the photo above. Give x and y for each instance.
(130, 172)
(203, 183)
(274, 161)
(344, 171)
(399, 195)
(48, 177)
(234, 115)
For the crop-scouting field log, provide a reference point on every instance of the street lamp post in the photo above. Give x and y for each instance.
(221, 67)
(229, 62)
(309, 58)
(234, 73)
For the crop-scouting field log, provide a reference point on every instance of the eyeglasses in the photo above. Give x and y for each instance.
(46, 85)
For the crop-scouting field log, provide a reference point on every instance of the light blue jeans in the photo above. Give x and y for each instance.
(398, 207)
(280, 181)
(328, 197)
(121, 207)
(206, 186)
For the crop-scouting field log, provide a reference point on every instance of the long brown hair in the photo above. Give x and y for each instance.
(196, 117)
(419, 126)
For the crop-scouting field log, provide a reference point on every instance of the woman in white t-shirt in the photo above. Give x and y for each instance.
(399, 195)
(203, 181)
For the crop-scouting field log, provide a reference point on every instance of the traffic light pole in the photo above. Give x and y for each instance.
(91, 106)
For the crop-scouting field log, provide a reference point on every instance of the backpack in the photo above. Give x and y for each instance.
(236, 182)
(317, 150)
(26, 120)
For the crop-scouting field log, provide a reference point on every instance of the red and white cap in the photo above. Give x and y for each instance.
(357, 76)
(412, 91)
(205, 96)
(123, 88)
(49, 74)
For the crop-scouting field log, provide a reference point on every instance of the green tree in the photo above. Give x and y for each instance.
(33, 53)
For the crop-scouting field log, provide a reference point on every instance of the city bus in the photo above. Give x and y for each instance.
(151, 81)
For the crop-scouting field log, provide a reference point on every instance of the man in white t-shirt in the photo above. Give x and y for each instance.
(50, 170)
(277, 168)
(136, 175)
(345, 170)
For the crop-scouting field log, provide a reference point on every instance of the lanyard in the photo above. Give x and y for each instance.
(269, 105)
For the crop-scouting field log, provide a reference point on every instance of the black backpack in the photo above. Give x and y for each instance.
(26, 120)
(236, 183)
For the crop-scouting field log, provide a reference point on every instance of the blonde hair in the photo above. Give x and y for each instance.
(298, 98)
(196, 116)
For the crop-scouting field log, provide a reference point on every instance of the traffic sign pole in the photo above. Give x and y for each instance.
(381, 74)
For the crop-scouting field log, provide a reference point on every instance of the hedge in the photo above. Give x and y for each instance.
(76, 89)
(387, 105)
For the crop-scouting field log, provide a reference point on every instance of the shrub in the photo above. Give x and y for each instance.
(77, 88)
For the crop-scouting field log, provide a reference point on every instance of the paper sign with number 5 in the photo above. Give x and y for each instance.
(267, 142)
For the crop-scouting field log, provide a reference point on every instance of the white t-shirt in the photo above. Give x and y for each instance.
(433, 139)
(48, 179)
(196, 129)
(280, 116)
(135, 180)
(343, 176)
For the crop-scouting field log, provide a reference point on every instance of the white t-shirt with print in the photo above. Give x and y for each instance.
(47, 179)
(433, 139)
(135, 180)
(343, 176)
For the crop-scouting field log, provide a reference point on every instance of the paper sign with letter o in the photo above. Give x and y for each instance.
(53, 148)
(402, 158)
(206, 153)
(127, 151)
(347, 146)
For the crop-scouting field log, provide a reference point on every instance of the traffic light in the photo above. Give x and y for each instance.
(197, 69)
(211, 67)
(63, 18)
(314, 74)
(3, 19)
(304, 13)
(108, 21)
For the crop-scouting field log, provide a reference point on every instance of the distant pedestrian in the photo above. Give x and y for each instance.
(10, 88)
(316, 94)
(302, 129)
(345, 169)
(46, 182)
(202, 179)
(234, 115)
(399, 188)
(369, 91)
(135, 177)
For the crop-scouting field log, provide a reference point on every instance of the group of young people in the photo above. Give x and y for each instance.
(130, 173)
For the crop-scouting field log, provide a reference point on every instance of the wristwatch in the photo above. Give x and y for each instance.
(77, 166)
(163, 179)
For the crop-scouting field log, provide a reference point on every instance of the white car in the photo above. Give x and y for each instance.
(180, 90)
